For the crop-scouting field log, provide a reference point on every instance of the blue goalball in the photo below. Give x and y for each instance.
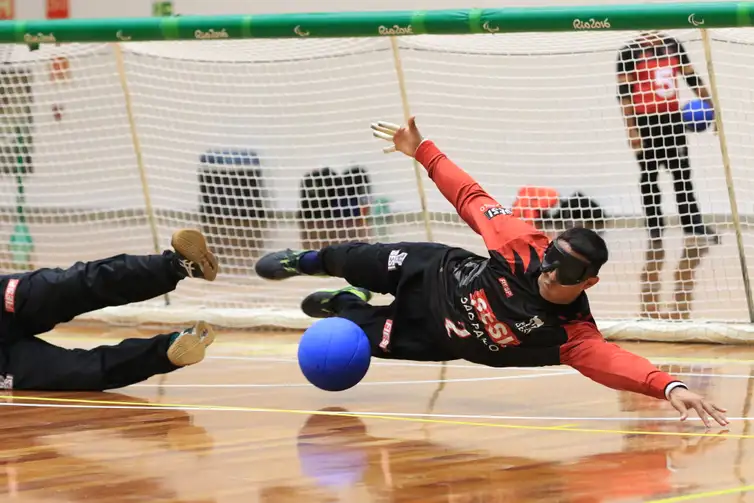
(697, 115)
(334, 354)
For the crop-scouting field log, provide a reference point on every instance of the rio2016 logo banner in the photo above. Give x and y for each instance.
(591, 24)
(595, 24)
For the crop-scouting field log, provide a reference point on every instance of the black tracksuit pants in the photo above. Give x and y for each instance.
(403, 330)
(664, 143)
(34, 302)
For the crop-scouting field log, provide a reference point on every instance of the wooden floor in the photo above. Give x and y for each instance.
(244, 426)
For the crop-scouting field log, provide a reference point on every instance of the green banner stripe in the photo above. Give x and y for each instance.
(417, 22)
(170, 27)
(20, 31)
(475, 21)
(743, 14)
(246, 27)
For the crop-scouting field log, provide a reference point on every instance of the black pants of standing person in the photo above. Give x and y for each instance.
(664, 144)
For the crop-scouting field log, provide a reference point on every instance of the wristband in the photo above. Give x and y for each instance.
(419, 146)
(673, 385)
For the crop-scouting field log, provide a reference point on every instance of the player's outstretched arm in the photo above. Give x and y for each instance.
(475, 206)
(614, 367)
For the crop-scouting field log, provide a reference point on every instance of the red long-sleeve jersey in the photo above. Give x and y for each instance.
(492, 310)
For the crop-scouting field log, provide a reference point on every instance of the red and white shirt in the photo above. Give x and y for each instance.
(652, 71)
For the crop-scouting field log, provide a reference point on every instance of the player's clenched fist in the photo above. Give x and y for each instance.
(404, 139)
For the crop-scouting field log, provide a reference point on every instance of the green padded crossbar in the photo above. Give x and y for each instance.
(375, 24)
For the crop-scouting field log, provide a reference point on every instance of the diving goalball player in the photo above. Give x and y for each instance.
(34, 302)
(524, 306)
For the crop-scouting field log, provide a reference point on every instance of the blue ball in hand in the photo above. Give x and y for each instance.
(698, 115)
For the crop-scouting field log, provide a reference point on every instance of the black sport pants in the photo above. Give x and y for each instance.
(34, 302)
(403, 330)
(664, 143)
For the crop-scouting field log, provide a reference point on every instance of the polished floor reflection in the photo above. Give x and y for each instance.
(244, 426)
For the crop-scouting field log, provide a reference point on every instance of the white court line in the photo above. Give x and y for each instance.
(431, 381)
(404, 363)
(522, 418)
(731, 376)
(389, 363)
(378, 383)
(134, 407)
(223, 408)
(551, 371)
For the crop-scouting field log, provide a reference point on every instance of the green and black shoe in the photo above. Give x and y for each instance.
(280, 264)
(319, 304)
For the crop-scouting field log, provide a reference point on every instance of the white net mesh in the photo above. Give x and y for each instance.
(256, 118)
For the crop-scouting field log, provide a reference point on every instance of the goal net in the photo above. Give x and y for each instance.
(265, 144)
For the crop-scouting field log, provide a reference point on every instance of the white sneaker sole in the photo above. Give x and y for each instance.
(190, 347)
(191, 244)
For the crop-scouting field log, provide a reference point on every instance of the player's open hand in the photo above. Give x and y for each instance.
(404, 139)
(683, 400)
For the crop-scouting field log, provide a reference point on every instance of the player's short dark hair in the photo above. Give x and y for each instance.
(588, 244)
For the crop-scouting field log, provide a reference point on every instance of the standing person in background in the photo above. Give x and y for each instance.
(647, 72)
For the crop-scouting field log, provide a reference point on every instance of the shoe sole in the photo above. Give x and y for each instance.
(318, 311)
(192, 245)
(272, 261)
(189, 348)
(317, 306)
